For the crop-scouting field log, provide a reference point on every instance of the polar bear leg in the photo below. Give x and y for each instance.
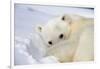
(85, 50)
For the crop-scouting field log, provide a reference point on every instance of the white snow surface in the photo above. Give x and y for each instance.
(27, 17)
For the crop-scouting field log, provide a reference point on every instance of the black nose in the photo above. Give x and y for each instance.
(50, 42)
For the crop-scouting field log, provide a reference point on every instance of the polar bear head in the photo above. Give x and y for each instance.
(56, 30)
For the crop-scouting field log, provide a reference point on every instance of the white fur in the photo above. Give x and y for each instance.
(77, 43)
(85, 50)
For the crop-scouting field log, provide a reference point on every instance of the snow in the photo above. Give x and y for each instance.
(27, 17)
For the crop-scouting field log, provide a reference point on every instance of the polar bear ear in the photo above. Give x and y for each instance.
(66, 18)
(39, 28)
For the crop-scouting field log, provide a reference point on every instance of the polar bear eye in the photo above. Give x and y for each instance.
(63, 18)
(61, 36)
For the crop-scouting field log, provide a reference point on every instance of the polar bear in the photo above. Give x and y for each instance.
(68, 37)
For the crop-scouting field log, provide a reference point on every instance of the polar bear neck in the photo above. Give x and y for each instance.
(78, 25)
